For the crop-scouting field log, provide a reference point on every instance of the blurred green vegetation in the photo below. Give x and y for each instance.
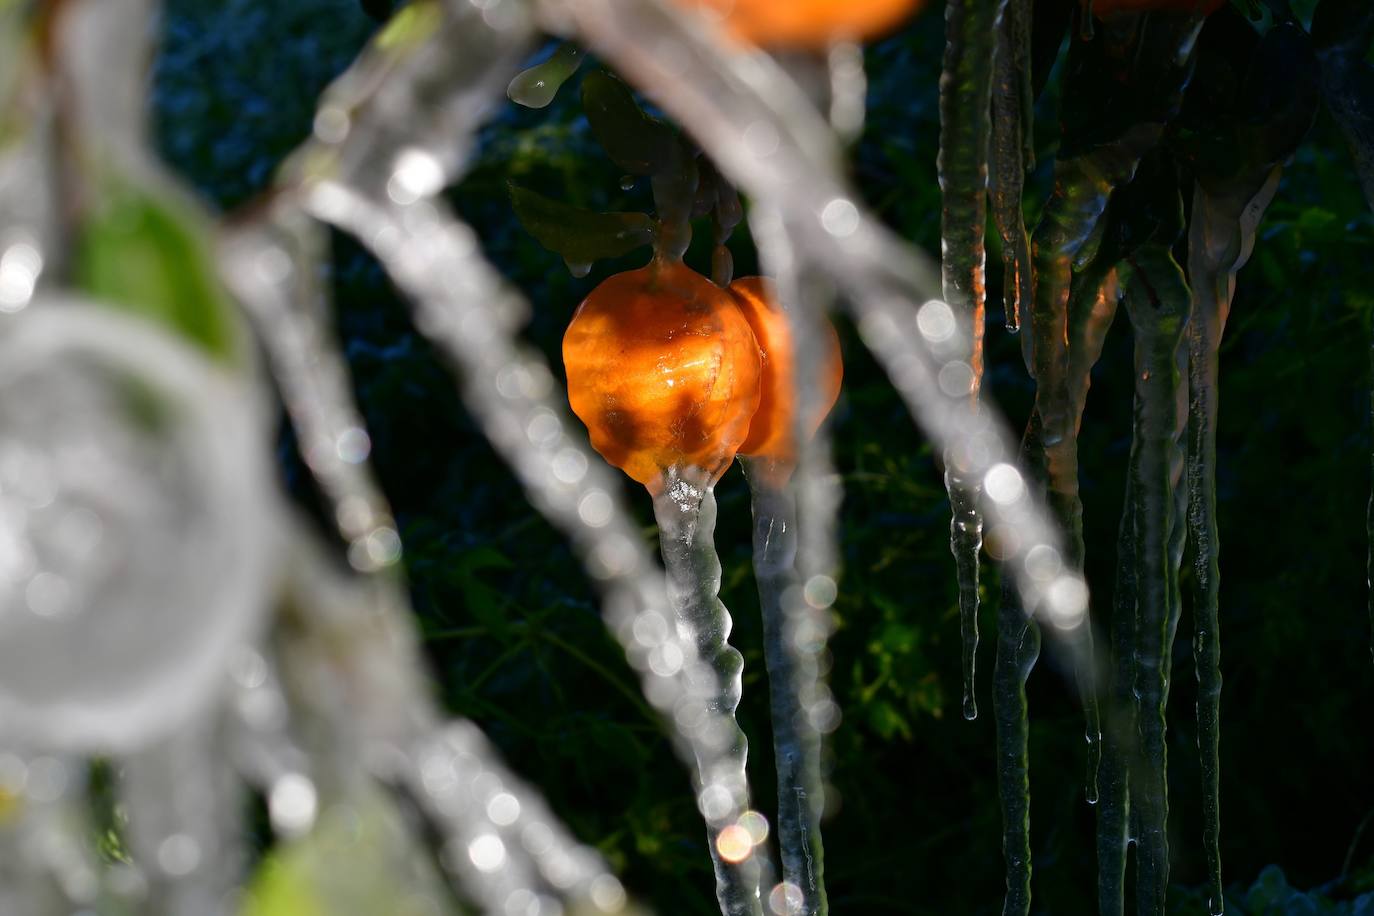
(512, 626)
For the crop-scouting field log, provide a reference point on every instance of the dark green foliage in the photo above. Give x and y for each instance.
(580, 236)
(512, 625)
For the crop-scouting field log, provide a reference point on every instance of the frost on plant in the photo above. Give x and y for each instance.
(142, 347)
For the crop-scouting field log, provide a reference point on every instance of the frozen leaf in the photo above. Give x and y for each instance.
(637, 142)
(144, 251)
(580, 236)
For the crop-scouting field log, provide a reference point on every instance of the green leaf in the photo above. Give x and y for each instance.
(635, 141)
(360, 858)
(279, 889)
(147, 253)
(580, 236)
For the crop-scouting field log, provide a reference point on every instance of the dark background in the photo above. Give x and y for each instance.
(512, 626)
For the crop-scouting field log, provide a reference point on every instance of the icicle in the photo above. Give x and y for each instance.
(1018, 649)
(1220, 239)
(971, 28)
(686, 514)
(1158, 300)
(1011, 126)
(1114, 832)
(796, 744)
(1092, 307)
(802, 596)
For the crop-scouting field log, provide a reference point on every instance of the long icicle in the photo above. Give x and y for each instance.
(1158, 300)
(1092, 308)
(1018, 649)
(1114, 805)
(686, 516)
(965, 130)
(795, 639)
(1221, 237)
(796, 744)
(1011, 152)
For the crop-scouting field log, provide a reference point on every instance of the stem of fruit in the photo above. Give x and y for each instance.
(686, 514)
(791, 668)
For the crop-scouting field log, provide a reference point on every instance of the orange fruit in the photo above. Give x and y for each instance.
(771, 432)
(807, 23)
(664, 371)
(1108, 7)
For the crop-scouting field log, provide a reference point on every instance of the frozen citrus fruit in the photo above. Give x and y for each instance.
(772, 434)
(664, 371)
(807, 23)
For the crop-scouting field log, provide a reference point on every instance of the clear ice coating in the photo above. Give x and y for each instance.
(786, 646)
(1158, 301)
(328, 715)
(1012, 154)
(796, 572)
(536, 87)
(971, 28)
(1225, 217)
(686, 514)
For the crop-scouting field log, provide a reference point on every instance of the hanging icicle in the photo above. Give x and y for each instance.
(1158, 301)
(1012, 154)
(971, 28)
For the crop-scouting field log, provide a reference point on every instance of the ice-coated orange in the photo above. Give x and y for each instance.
(771, 433)
(664, 371)
(808, 23)
(1108, 7)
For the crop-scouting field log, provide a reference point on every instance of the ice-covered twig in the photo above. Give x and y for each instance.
(271, 264)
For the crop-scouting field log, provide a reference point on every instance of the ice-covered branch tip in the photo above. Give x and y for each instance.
(769, 140)
(461, 303)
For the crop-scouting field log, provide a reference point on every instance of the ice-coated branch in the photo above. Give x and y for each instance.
(271, 265)
(765, 136)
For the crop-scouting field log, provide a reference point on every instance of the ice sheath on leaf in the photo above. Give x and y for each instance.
(1235, 142)
(1137, 79)
(971, 29)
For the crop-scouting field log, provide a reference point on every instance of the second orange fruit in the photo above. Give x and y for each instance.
(808, 23)
(772, 434)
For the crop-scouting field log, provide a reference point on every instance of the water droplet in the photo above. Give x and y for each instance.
(578, 269)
